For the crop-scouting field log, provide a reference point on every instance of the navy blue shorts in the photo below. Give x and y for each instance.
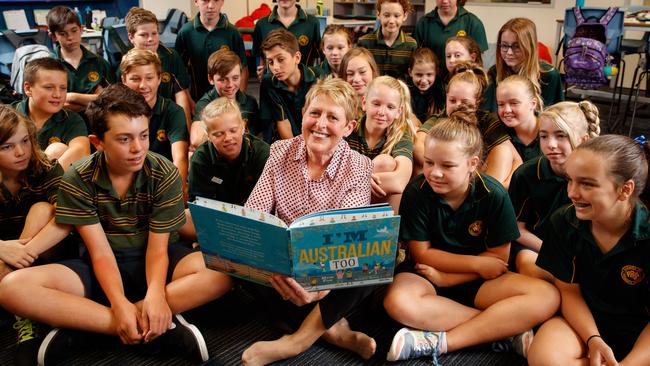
(464, 293)
(132, 266)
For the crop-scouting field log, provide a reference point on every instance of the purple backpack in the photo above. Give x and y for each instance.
(586, 53)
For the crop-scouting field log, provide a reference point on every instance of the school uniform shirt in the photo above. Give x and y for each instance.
(63, 126)
(286, 191)
(212, 176)
(195, 44)
(492, 129)
(536, 192)
(250, 112)
(166, 126)
(614, 284)
(550, 83)
(305, 27)
(421, 102)
(527, 152)
(358, 143)
(153, 202)
(430, 32)
(484, 220)
(174, 77)
(93, 71)
(14, 208)
(391, 60)
(324, 69)
(278, 103)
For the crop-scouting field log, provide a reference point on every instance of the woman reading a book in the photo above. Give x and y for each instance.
(313, 172)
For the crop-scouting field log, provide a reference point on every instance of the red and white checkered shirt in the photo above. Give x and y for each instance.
(285, 189)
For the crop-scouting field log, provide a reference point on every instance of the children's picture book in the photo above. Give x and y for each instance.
(323, 250)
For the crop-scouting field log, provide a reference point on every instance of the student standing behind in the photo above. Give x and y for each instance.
(225, 72)
(209, 31)
(385, 135)
(87, 72)
(336, 42)
(132, 283)
(142, 29)
(538, 187)
(289, 16)
(168, 134)
(598, 251)
(517, 43)
(518, 103)
(61, 133)
(448, 19)
(282, 93)
(227, 167)
(426, 87)
(389, 45)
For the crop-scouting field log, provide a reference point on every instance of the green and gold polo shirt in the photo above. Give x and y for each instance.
(14, 209)
(391, 60)
(212, 176)
(430, 31)
(613, 284)
(358, 143)
(93, 71)
(484, 220)
(527, 152)
(250, 112)
(305, 27)
(420, 102)
(492, 129)
(195, 44)
(536, 192)
(278, 103)
(153, 203)
(324, 69)
(62, 126)
(166, 126)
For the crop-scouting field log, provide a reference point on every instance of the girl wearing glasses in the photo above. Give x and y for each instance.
(517, 54)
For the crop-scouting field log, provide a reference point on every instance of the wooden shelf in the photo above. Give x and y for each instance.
(367, 7)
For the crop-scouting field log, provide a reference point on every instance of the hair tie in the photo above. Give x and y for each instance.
(641, 140)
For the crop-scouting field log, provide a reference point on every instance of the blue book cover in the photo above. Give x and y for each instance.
(323, 250)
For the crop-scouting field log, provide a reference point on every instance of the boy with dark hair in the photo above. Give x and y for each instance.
(126, 203)
(224, 72)
(209, 31)
(61, 133)
(290, 16)
(142, 29)
(282, 92)
(87, 72)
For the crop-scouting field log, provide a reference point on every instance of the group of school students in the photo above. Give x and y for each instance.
(522, 227)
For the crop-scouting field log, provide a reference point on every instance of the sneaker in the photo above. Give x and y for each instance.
(518, 344)
(28, 342)
(188, 339)
(409, 343)
(56, 346)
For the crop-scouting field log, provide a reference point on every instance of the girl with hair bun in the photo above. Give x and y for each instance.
(454, 285)
(538, 187)
(598, 251)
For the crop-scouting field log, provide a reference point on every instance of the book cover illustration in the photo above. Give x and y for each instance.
(323, 250)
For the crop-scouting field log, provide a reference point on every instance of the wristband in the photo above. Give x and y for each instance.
(590, 337)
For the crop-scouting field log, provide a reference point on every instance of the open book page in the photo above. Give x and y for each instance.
(241, 211)
(341, 215)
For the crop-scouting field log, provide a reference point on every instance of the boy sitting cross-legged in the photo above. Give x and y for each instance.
(126, 203)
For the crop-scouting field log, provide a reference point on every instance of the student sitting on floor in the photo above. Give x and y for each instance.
(461, 49)
(126, 203)
(598, 251)
(336, 42)
(458, 225)
(87, 72)
(61, 133)
(425, 84)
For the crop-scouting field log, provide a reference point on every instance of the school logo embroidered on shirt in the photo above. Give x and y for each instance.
(476, 228)
(93, 76)
(461, 33)
(53, 139)
(161, 135)
(303, 40)
(632, 274)
(165, 77)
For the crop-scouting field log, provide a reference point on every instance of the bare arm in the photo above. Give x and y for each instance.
(179, 157)
(418, 152)
(183, 99)
(77, 149)
(197, 135)
(501, 162)
(244, 79)
(489, 264)
(527, 238)
(394, 182)
(284, 129)
(156, 314)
